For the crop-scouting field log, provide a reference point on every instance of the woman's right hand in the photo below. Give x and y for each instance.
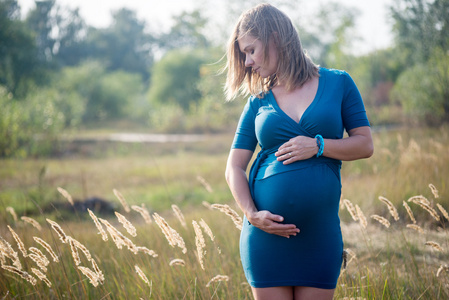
(270, 223)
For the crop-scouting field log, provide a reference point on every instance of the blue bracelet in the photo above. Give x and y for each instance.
(320, 144)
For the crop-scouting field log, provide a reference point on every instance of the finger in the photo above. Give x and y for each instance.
(286, 228)
(284, 148)
(275, 218)
(285, 156)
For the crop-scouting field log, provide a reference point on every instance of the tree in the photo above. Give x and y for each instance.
(175, 78)
(93, 95)
(18, 54)
(423, 89)
(70, 46)
(186, 32)
(40, 21)
(124, 45)
(420, 26)
(329, 40)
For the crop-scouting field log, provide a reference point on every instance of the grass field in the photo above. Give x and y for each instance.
(398, 262)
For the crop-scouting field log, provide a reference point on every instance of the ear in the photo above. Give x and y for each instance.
(275, 37)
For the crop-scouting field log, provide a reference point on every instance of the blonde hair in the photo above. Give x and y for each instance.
(295, 67)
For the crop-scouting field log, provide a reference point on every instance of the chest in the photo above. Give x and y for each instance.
(296, 102)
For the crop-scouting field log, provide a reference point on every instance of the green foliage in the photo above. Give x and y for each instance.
(39, 21)
(31, 126)
(423, 89)
(10, 130)
(208, 112)
(186, 32)
(96, 95)
(175, 77)
(19, 65)
(331, 36)
(420, 27)
(125, 45)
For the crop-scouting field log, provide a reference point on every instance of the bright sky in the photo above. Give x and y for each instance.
(372, 24)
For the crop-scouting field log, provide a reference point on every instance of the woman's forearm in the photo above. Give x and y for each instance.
(358, 145)
(354, 147)
(237, 180)
(238, 184)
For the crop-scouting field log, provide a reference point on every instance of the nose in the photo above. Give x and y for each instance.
(248, 61)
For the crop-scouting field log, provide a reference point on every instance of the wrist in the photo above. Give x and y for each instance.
(250, 214)
(320, 145)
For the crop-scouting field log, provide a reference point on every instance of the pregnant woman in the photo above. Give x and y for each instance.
(290, 245)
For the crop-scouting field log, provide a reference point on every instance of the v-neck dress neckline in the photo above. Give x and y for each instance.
(316, 99)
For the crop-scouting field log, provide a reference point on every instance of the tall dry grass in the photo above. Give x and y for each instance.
(394, 222)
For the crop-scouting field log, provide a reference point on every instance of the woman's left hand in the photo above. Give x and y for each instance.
(297, 148)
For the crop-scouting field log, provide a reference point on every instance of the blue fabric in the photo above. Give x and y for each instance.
(305, 193)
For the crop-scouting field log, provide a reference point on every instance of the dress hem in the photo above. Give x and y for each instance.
(326, 286)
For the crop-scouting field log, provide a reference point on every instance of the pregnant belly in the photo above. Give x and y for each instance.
(305, 197)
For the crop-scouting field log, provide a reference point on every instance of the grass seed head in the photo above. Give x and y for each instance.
(419, 199)
(205, 184)
(415, 227)
(126, 224)
(442, 268)
(147, 251)
(200, 243)
(104, 236)
(409, 212)
(434, 191)
(179, 215)
(207, 229)
(118, 238)
(7, 251)
(381, 220)
(41, 276)
(172, 236)
(12, 212)
(393, 211)
(143, 212)
(122, 200)
(39, 262)
(350, 207)
(32, 221)
(207, 205)
(40, 254)
(19, 242)
(443, 211)
(75, 254)
(82, 248)
(47, 247)
(66, 195)
(361, 216)
(434, 245)
(217, 278)
(59, 231)
(177, 262)
(142, 275)
(93, 276)
(231, 213)
(21, 273)
(97, 270)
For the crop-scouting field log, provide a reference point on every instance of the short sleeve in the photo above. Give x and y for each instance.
(245, 135)
(353, 110)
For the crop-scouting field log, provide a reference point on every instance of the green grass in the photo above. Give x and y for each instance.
(390, 263)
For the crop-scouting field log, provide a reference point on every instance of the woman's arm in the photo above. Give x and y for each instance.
(359, 144)
(238, 161)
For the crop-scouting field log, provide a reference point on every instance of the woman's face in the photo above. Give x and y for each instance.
(254, 55)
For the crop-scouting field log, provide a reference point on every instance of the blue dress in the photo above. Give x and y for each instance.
(305, 193)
